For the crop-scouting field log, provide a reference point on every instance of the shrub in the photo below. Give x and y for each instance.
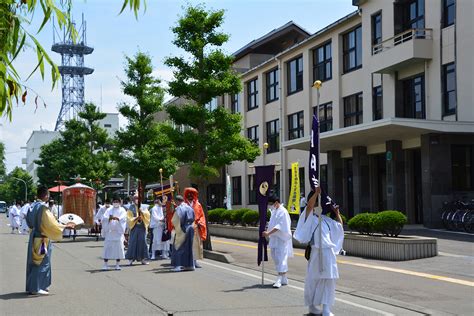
(389, 223)
(250, 217)
(363, 223)
(237, 215)
(215, 216)
(226, 216)
(344, 219)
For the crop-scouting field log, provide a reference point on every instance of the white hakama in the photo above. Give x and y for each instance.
(320, 285)
(280, 244)
(23, 212)
(113, 233)
(14, 215)
(158, 225)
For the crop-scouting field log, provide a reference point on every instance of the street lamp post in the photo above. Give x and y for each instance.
(26, 187)
(265, 147)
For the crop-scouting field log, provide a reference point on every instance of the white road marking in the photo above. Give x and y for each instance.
(299, 288)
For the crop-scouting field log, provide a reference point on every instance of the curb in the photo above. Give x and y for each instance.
(218, 256)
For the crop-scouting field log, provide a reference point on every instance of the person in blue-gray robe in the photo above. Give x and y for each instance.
(43, 228)
(138, 222)
(183, 219)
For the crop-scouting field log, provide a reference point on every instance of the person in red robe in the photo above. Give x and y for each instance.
(200, 228)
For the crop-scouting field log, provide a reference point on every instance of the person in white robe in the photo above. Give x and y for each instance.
(157, 223)
(24, 229)
(54, 209)
(100, 213)
(320, 280)
(281, 243)
(14, 216)
(114, 223)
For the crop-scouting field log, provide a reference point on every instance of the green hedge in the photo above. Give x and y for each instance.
(236, 216)
(389, 223)
(215, 216)
(226, 216)
(250, 217)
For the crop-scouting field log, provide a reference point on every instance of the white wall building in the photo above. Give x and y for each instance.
(33, 149)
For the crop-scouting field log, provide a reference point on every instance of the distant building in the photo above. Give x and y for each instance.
(42, 137)
(33, 149)
(110, 123)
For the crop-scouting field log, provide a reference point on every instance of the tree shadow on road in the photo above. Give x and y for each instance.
(92, 271)
(251, 287)
(17, 296)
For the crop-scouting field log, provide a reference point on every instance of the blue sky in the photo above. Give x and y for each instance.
(114, 36)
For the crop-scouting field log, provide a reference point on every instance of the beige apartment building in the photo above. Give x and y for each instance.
(396, 106)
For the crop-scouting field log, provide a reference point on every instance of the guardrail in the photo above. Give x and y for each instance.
(400, 38)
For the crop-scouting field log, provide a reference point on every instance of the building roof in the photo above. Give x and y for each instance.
(318, 33)
(274, 41)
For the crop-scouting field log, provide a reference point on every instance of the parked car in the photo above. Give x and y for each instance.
(3, 207)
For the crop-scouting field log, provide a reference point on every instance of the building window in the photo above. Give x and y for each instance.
(449, 12)
(295, 75)
(462, 159)
(353, 110)
(212, 105)
(352, 49)
(252, 95)
(409, 14)
(377, 103)
(273, 136)
(252, 134)
(107, 125)
(377, 28)
(449, 89)
(272, 78)
(252, 189)
(236, 190)
(234, 103)
(324, 116)
(322, 63)
(414, 97)
(296, 125)
(276, 184)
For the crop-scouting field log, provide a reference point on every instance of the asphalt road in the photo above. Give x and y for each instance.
(81, 288)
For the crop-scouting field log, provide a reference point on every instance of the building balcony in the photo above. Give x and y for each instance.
(402, 50)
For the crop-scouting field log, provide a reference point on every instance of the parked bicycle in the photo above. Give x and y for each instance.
(458, 215)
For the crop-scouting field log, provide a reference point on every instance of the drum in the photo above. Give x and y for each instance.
(80, 199)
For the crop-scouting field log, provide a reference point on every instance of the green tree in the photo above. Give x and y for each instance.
(214, 138)
(3, 168)
(13, 186)
(15, 16)
(83, 148)
(142, 148)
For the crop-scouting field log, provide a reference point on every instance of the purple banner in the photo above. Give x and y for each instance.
(263, 182)
(314, 166)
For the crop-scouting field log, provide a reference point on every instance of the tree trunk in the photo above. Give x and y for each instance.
(202, 187)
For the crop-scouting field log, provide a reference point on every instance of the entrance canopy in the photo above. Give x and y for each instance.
(378, 132)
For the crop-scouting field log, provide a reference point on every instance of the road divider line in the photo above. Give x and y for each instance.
(297, 288)
(370, 266)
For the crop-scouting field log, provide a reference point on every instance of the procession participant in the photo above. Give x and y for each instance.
(183, 221)
(114, 222)
(320, 281)
(23, 212)
(100, 214)
(302, 202)
(54, 209)
(281, 243)
(200, 229)
(44, 227)
(14, 215)
(138, 222)
(157, 223)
